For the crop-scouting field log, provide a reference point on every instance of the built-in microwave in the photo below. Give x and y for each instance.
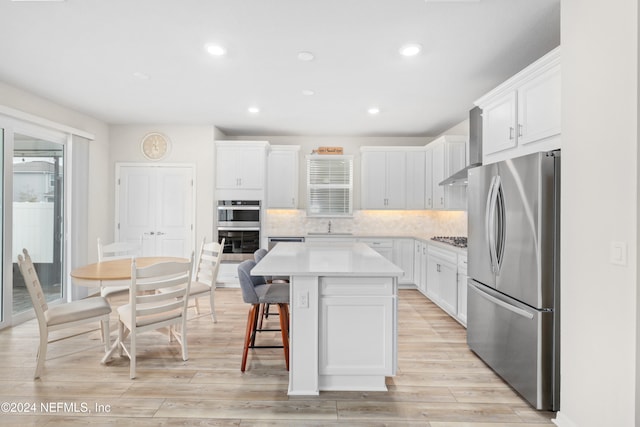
(239, 213)
(239, 226)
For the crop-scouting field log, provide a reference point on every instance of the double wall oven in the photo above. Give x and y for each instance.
(239, 226)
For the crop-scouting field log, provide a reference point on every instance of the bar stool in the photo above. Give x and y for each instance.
(256, 291)
(264, 308)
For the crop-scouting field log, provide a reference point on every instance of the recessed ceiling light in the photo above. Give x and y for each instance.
(216, 50)
(373, 111)
(141, 76)
(308, 92)
(410, 49)
(254, 110)
(305, 56)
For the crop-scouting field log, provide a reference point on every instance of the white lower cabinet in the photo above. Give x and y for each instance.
(403, 258)
(383, 246)
(462, 289)
(228, 275)
(398, 251)
(442, 283)
(420, 266)
(357, 326)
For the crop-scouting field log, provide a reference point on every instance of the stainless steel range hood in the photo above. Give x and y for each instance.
(475, 149)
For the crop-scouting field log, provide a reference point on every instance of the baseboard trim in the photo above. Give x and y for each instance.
(562, 420)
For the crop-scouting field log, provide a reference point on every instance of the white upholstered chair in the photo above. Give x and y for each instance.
(150, 310)
(60, 316)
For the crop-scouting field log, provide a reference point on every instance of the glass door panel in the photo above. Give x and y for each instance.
(38, 212)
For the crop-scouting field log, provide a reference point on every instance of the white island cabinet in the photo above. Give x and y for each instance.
(344, 315)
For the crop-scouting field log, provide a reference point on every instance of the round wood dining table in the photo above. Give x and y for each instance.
(114, 269)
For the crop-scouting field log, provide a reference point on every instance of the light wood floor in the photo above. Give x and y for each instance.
(440, 383)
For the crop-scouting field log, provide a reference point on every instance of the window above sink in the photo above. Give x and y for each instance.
(329, 186)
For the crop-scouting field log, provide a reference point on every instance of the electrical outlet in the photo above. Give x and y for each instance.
(303, 300)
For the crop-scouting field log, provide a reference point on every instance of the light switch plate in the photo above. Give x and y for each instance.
(618, 253)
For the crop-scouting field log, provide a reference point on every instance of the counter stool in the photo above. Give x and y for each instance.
(256, 291)
(264, 308)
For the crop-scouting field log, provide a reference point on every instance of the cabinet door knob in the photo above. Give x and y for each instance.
(510, 132)
(519, 130)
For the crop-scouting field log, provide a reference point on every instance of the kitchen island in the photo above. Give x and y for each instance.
(343, 306)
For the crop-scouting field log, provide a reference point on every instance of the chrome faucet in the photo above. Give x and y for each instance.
(329, 227)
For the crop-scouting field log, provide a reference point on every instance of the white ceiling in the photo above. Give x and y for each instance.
(83, 54)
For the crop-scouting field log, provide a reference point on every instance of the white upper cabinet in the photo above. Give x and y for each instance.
(522, 115)
(428, 178)
(383, 183)
(539, 107)
(499, 124)
(437, 173)
(282, 176)
(445, 156)
(416, 167)
(240, 166)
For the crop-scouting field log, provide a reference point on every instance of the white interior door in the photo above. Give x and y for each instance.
(155, 204)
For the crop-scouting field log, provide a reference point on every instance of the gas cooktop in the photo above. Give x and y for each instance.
(457, 241)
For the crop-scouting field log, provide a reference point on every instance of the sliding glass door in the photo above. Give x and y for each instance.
(38, 215)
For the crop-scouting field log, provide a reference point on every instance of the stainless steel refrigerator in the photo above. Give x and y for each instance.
(513, 314)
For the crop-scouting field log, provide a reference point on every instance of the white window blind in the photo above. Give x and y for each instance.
(329, 185)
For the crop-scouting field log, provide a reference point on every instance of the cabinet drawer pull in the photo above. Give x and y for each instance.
(511, 132)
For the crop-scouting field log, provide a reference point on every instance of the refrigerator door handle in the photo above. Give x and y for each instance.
(506, 306)
(501, 223)
(490, 218)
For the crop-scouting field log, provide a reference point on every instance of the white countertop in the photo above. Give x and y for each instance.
(325, 259)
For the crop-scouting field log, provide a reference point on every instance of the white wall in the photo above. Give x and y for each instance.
(461, 128)
(599, 319)
(189, 145)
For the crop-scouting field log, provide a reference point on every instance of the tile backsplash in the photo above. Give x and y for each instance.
(424, 224)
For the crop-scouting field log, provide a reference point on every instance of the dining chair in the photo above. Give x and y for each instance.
(60, 316)
(256, 291)
(150, 310)
(205, 275)
(117, 250)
